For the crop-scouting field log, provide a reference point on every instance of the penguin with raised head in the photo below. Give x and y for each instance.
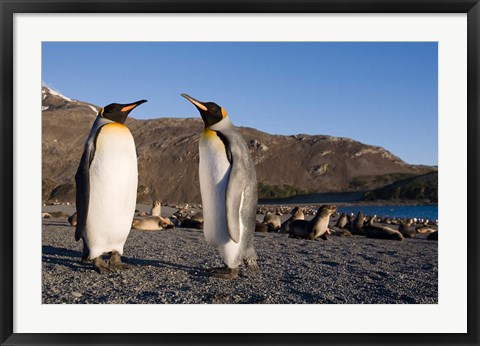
(228, 186)
(106, 182)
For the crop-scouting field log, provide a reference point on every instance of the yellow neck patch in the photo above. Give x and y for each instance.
(115, 126)
(208, 133)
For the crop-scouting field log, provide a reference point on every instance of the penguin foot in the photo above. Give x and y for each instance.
(102, 267)
(115, 262)
(223, 272)
(252, 265)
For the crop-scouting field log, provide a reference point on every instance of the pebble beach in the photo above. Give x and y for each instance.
(169, 268)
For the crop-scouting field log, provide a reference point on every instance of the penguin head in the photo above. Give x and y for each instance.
(119, 112)
(211, 112)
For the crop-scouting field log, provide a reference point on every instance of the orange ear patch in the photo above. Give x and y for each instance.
(127, 108)
(224, 113)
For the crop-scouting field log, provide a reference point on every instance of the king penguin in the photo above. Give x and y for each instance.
(228, 186)
(106, 182)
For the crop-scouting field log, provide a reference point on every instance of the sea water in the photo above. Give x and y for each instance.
(400, 211)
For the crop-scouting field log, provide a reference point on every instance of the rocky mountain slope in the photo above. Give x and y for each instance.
(168, 157)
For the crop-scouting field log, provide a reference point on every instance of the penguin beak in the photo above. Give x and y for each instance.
(197, 103)
(129, 107)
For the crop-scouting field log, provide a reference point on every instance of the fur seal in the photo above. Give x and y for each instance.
(315, 228)
(191, 223)
(272, 220)
(72, 220)
(175, 221)
(433, 236)
(350, 218)
(297, 214)
(197, 216)
(156, 208)
(407, 229)
(342, 221)
(152, 223)
(181, 214)
(381, 232)
(357, 224)
(424, 230)
(194, 221)
(56, 215)
(261, 227)
(341, 232)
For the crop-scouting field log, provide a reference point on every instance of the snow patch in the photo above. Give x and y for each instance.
(44, 97)
(60, 95)
(44, 108)
(93, 108)
(56, 93)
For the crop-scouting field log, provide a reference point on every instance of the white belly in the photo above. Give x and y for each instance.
(214, 172)
(113, 190)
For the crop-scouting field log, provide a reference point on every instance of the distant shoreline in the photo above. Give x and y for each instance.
(339, 198)
(288, 202)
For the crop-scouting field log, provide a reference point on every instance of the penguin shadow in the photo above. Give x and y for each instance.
(58, 223)
(194, 272)
(56, 255)
(50, 254)
(307, 297)
(370, 259)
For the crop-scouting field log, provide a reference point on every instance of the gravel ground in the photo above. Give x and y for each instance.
(169, 267)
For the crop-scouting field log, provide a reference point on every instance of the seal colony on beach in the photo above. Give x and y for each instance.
(297, 214)
(153, 221)
(315, 228)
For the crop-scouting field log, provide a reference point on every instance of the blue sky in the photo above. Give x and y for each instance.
(381, 94)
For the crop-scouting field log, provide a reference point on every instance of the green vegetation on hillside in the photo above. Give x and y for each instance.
(364, 182)
(424, 187)
(278, 191)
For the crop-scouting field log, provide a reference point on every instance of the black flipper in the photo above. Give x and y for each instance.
(82, 177)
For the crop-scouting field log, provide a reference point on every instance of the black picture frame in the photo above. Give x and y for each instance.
(10, 7)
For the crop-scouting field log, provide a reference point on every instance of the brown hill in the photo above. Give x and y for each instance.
(168, 157)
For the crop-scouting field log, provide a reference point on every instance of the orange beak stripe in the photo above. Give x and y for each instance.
(195, 102)
(127, 108)
(199, 105)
